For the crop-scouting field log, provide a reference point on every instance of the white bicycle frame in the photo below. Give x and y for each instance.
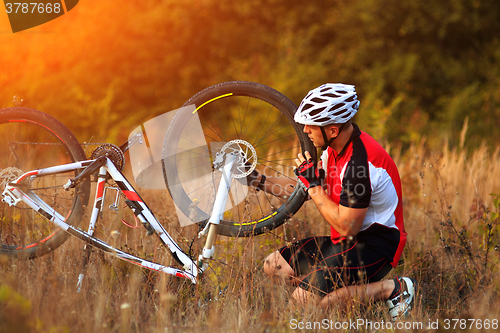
(14, 193)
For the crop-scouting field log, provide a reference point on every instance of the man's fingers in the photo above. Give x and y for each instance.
(301, 158)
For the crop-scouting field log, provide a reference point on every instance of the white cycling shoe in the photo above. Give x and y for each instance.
(403, 302)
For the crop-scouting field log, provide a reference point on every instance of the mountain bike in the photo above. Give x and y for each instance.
(211, 146)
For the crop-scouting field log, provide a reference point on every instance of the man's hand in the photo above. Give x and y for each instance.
(308, 172)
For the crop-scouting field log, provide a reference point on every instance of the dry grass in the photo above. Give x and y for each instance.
(451, 219)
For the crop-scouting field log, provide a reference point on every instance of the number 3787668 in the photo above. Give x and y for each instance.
(32, 7)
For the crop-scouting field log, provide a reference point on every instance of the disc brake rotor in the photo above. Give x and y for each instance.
(246, 157)
(8, 175)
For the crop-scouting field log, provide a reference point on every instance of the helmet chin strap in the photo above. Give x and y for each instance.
(329, 142)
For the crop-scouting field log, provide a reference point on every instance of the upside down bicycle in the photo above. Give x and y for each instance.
(212, 144)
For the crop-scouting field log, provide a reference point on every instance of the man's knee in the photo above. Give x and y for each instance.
(276, 265)
(271, 265)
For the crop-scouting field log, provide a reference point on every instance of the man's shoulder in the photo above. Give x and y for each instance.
(369, 141)
(379, 158)
(373, 148)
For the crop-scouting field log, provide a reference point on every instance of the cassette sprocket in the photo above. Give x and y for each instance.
(111, 151)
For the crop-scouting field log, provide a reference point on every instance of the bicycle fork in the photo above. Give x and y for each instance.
(217, 212)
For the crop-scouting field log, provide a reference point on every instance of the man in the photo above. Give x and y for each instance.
(360, 197)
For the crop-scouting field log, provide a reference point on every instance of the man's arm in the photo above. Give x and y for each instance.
(281, 187)
(347, 221)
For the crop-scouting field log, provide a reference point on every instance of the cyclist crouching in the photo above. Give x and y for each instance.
(357, 189)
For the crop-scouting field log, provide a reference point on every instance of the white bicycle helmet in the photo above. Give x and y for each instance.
(331, 103)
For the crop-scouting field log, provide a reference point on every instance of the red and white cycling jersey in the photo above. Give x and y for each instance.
(363, 175)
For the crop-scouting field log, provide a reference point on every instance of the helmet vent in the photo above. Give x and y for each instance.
(307, 106)
(315, 112)
(331, 95)
(323, 119)
(318, 100)
(341, 113)
(338, 106)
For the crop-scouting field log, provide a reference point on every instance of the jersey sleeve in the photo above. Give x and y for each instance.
(356, 186)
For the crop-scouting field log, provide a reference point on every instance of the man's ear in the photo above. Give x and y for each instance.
(332, 131)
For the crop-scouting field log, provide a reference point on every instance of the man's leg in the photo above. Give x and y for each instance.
(290, 262)
(366, 293)
(342, 264)
(321, 280)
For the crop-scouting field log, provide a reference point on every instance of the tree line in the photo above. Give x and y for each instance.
(421, 68)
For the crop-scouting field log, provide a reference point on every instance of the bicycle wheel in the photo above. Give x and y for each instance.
(31, 140)
(247, 118)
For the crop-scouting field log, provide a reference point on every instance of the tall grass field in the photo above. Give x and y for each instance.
(451, 207)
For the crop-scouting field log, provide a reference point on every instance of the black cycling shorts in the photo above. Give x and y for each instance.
(325, 266)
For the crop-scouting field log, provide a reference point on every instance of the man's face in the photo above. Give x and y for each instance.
(314, 133)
